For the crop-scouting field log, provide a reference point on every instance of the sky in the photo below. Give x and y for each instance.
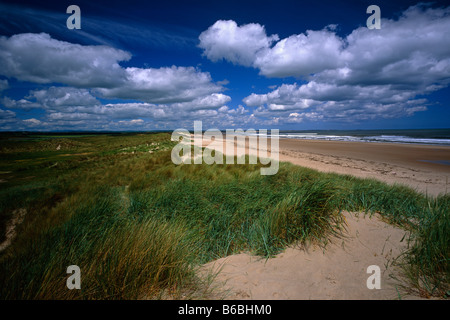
(161, 65)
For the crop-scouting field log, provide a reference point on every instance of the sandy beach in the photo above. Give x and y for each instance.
(425, 168)
(339, 271)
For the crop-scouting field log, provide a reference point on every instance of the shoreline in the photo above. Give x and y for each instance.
(373, 142)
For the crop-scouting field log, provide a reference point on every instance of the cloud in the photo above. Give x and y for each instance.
(32, 122)
(7, 114)
(41, 59)
(249, 45)
(412, 51)
(7, 119)
(301, 55)
(213, 101)
(132, 122)
(4, 85)
(52, 98)
(237, 44)
(61, 97)
(285, 94)
(335, 103)
(299, 117)
(19, 104)
(163, 85)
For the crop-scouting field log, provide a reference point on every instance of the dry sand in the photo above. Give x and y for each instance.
(17, 218)
(340, 270)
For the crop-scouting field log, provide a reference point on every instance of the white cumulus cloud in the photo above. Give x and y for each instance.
(41, 59)
(163, 85)
(237, 44)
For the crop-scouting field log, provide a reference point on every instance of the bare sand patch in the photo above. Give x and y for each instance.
(75, 154)
(17, 218)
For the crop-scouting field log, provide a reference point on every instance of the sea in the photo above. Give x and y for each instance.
(415, 136)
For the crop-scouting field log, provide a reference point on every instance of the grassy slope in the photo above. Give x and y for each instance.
(138, 225)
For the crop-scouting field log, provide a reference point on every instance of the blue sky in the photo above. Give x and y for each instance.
(152, 65)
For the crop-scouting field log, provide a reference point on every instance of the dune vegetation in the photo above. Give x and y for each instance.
(139, 226)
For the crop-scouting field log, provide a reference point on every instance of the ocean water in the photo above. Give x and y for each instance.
(416, 136)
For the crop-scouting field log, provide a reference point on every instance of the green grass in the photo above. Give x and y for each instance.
(139, 226)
